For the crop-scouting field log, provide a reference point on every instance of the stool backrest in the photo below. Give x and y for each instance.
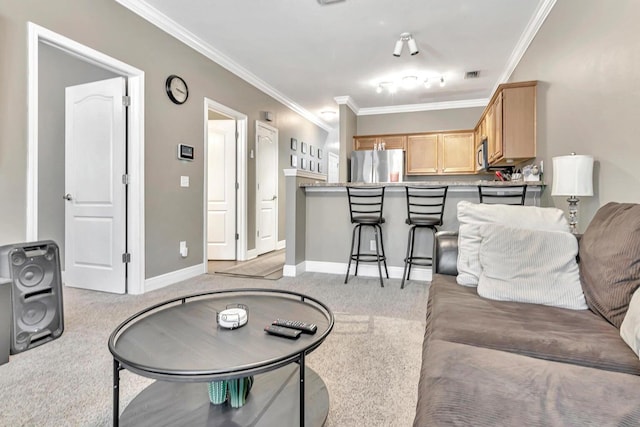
(426, 203)
(503, 194)
(365, 202)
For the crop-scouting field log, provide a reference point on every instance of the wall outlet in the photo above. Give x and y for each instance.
(184, 250)
(372, 245)
(184, 181)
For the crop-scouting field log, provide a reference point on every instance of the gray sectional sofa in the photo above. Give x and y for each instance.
(502, 363)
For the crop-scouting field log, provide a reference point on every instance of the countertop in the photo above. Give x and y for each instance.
(451, 183)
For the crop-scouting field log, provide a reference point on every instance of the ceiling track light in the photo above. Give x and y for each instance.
(411, 44)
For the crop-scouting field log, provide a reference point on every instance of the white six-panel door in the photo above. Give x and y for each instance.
(267, 187)
(221, 189)
(95, 205)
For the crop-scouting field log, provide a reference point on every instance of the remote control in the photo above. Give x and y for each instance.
(307, 328)
(282, 332)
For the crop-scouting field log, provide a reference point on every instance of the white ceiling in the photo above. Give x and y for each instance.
(307, 54)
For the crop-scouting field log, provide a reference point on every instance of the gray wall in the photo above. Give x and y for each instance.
(348, 129)
(172, 213)
(586, 58)
(423, 121)
(59, 70)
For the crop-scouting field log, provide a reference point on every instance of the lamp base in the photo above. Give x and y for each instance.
(573, 214)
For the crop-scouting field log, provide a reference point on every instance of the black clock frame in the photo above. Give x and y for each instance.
(167, 87)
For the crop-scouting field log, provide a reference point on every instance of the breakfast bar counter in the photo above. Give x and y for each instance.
(318, 229)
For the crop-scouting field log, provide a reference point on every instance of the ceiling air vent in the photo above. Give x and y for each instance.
(472, 74)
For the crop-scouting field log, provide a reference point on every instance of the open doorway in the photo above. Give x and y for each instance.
(37, 188)
(225, 195)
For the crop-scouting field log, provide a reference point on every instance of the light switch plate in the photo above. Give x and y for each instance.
(184, 181)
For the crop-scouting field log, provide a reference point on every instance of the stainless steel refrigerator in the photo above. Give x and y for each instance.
(377, 166)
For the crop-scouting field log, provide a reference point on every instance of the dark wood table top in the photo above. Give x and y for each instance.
(179, 341)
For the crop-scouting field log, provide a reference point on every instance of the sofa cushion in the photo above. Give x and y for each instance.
(463, 385)
(458, 314)
(610, 260)
(471, 216)
(630, 328)
(531, 266)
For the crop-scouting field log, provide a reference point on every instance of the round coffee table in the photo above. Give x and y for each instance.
(179, 344)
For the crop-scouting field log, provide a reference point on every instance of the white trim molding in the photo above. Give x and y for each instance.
(281, 244)
(410, 108)
(368, 270)
(304, 174)
(529, 33)
(293, 270)
(349, 102)
(160, 20)
(173, 277)
(135, 142)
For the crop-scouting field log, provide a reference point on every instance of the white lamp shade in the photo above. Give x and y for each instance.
(572, 176)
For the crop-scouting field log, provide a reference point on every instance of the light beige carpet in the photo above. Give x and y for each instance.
(265, 266)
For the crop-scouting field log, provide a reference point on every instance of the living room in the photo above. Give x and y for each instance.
(584, 57)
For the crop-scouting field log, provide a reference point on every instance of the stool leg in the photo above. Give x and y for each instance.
(406, 258)
(384, 257)
(358, 247)
(413, 242)
(353, 239)
(378, 236)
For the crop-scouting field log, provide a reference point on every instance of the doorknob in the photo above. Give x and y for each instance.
(274, 197)
(67, 197)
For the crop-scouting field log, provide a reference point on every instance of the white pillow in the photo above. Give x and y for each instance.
(630, 328)
(532, 266)
(471, 216)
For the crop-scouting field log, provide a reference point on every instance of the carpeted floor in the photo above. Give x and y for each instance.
(370, 362)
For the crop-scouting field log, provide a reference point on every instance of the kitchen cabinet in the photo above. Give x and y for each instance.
(391, 142)
(440, 153)
(509, 123)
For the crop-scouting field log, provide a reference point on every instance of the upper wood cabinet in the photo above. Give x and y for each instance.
(440, 153)
(391, 142)
(509, 123)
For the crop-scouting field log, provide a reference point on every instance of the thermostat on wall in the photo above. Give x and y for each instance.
(185, 152)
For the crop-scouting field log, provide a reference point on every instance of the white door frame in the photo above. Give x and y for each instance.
(241, 176)
(275, 172)
(135, 149)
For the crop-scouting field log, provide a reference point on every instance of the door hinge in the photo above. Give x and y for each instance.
(237, 185)
(126, 100)
(126, 258)
(125, 179)
(237, 236)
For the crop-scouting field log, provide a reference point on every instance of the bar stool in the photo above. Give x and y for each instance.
(425, 208)
(365, 208)
(503, 194)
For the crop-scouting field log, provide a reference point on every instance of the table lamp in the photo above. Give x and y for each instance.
(573, 177)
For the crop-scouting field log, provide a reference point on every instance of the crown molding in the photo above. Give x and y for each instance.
(166, 24)
(349, 102)
(544, 8)
(411, 108)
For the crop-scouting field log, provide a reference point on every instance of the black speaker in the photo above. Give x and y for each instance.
(36, 292)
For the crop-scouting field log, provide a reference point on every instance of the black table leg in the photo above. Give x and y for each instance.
(302, 368)
(116, 393)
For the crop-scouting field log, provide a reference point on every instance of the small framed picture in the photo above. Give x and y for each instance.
(319, 167)
(303, 147)
(312, 165)
(294, 144)
(311, 151)
(319, 153)
(294, 161)
(303, 163)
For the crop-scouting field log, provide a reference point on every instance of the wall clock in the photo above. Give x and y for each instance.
(177, 89)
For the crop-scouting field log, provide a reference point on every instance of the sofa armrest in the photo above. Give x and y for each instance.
(445, 253)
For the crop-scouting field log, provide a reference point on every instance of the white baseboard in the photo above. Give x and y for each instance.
(251, 254)
(293, 270)
(281, 244)
(167, 279)
(365, 270)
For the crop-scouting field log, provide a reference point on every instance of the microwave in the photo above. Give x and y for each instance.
(482, 161)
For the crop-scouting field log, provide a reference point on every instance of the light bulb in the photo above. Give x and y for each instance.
(398, 49)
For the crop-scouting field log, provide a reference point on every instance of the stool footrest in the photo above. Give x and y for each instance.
(422, 261)
(368, 257)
